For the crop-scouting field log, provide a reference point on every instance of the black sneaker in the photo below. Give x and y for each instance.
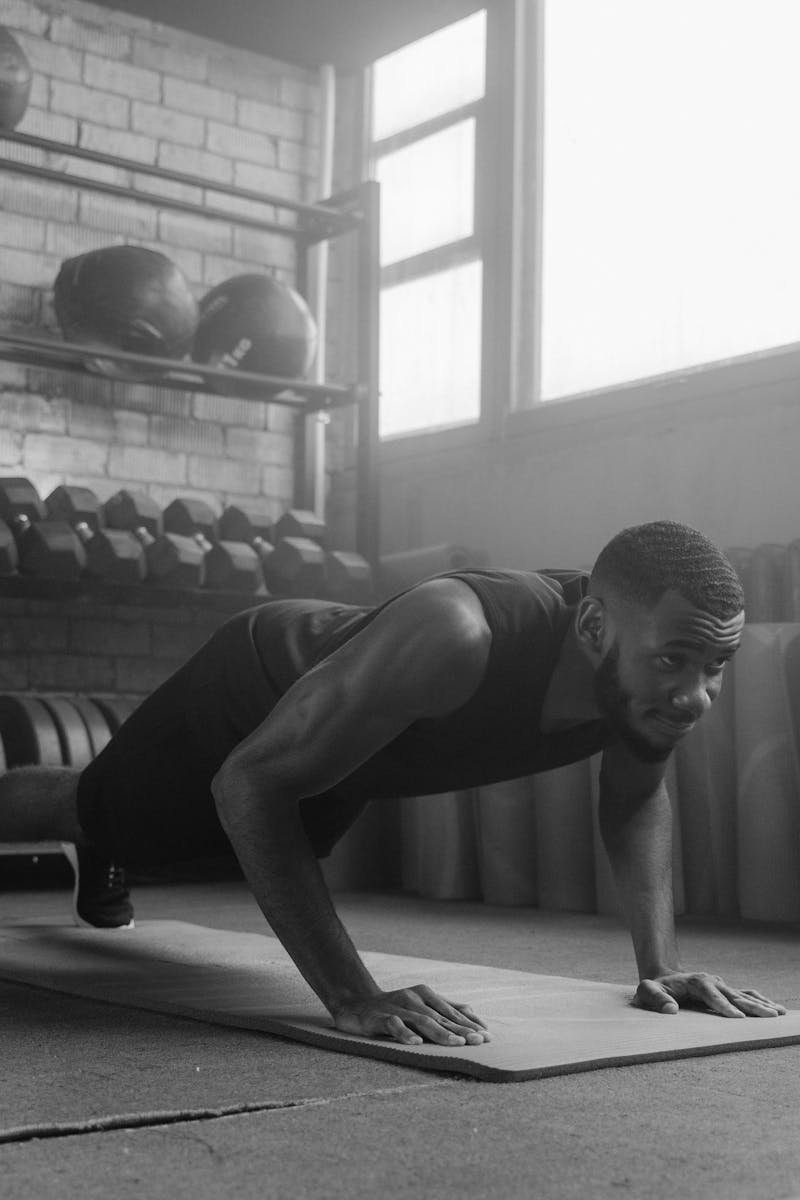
(100, 898)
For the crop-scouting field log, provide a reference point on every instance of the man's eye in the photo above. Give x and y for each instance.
(670, 662)
(716, 667)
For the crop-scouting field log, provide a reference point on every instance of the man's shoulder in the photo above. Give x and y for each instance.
(544, 591)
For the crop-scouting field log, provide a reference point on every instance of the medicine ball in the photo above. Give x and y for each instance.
(255, 323)
(126, 298)
(16, 78)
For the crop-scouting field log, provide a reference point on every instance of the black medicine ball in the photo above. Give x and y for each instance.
(16, 78)
(126, 298)
(255, 323)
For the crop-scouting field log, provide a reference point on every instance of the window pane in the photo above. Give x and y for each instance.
(671, 190)
(431, 351)
(427, 193)
(429, 77)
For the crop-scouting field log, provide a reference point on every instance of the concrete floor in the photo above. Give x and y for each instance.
(128, 1104)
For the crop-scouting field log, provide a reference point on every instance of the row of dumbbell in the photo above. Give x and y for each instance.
(129, 539)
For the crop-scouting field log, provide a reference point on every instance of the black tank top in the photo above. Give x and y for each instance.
(257, 655)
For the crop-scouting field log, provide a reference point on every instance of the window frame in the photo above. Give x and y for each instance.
(508, 222)
(527, 412)
(448, 253)
(490, 242)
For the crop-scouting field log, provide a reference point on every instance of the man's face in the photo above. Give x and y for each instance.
(663, 671)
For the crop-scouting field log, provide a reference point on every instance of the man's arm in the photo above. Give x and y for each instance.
(424, 655)
(636, 825)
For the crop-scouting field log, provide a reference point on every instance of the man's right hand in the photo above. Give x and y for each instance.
(411, 1016)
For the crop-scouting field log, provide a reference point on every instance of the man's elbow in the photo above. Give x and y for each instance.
(223, 795)
(218, 787)
(230, 789)
(238, 776)
(241, 787)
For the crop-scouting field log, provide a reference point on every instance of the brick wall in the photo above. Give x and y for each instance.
(128, 86)
(138, 89)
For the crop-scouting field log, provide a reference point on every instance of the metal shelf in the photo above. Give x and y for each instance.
(164, 372)
(327, 219)
(141, 595)
(353, 212)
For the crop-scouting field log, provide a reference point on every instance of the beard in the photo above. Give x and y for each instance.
(614, 703)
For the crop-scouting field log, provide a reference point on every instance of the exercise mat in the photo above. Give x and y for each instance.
(541, 1025)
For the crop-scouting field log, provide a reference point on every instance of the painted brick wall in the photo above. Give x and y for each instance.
(131, 87)
(134, 88)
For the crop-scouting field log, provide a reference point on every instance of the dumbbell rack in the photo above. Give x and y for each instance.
(353, 212)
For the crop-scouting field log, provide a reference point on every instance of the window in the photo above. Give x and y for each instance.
(671, 189)
(426, 108)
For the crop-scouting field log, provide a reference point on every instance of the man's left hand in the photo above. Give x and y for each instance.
(666, 993)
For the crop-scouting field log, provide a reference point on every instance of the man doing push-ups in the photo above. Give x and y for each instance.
(297, 713)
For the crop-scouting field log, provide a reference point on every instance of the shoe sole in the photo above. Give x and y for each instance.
(71, 855)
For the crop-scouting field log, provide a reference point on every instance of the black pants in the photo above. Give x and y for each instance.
(146, 799)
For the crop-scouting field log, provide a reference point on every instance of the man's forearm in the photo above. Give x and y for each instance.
(639, 845)
(290, 889)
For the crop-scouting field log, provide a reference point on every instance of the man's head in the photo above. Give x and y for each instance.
(664, 613)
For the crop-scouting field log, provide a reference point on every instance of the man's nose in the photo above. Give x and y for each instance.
(693, 699)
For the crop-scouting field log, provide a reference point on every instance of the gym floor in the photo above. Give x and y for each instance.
(129, 1104)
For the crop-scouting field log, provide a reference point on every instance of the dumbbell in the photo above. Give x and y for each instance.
(229, 564)
(20, 504)
(348, 577)
(51, 730)
(52, 550)
(248, 522)
(112, 554)
(191, 518)
(296, 564)
(9, 555)
(345, 576)
(296, 567)
(300, 523)
(46, 549)
(171, 558)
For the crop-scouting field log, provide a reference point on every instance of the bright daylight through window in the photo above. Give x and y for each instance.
(425, 105)
(671, 186)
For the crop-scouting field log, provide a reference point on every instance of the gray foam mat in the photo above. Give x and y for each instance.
(541, 1025)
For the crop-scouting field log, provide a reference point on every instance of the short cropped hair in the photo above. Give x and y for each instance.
(643, 562)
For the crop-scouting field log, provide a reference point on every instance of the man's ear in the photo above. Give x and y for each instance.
(591, 623)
